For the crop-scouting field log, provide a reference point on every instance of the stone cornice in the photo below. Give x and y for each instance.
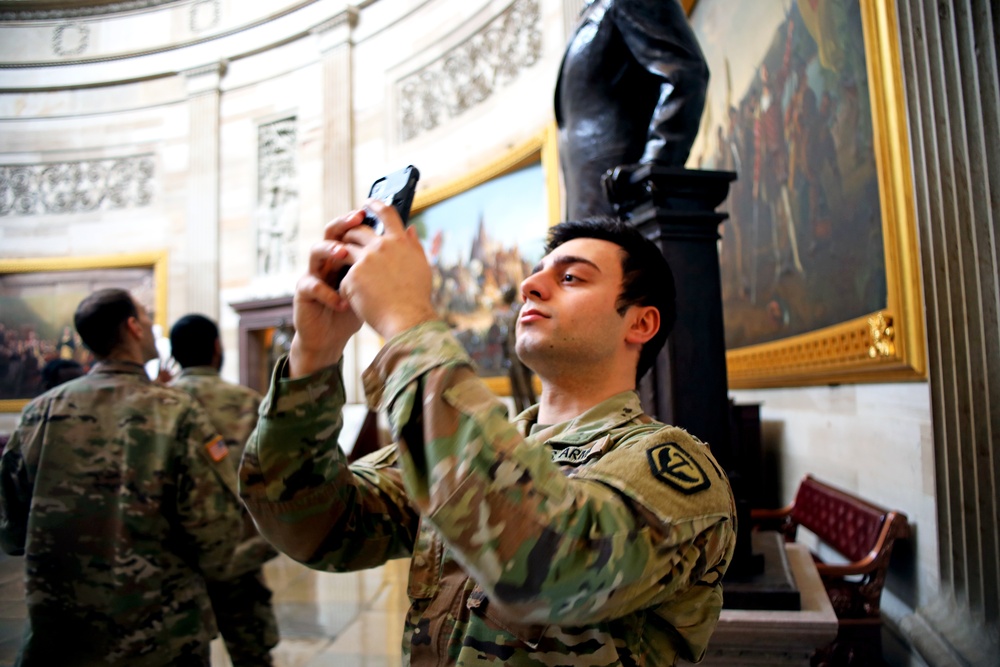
(41, 11)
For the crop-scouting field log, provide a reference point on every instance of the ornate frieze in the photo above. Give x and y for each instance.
(39, 11)
(472, 71)
(277, 196)
(76, 187)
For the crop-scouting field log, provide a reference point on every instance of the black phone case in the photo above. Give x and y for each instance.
(396, 189)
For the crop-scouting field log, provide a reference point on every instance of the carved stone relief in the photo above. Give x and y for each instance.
(70, 39)
(472, 71)
(277, 197)
(205, 15)
(76, 187)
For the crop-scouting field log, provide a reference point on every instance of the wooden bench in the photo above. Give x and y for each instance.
(862, 533)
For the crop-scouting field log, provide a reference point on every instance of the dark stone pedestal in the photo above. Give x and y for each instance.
(675, 208)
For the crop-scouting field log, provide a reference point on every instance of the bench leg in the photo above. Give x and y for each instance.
(858, 644)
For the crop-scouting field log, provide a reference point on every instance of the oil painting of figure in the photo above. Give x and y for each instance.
(789, 111)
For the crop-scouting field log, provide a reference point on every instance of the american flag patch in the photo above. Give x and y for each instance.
(217, 448)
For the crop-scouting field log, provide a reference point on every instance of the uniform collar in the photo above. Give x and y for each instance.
(592, 424)
(198, 370)
(120, 367)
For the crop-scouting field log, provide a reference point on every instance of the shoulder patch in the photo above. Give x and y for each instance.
(217, 448)
(674, 466)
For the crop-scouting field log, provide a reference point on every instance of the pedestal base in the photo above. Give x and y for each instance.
(773, 588)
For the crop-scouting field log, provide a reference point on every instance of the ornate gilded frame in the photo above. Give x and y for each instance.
(156, 262)
(886, 345)
(539, 148)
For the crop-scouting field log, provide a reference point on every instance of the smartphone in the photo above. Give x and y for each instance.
(396, 189)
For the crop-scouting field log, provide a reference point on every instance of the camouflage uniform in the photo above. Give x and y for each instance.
(597, 542)
(123, 500)
(242, 604)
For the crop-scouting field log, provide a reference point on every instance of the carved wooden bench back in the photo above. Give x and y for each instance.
(862, 532)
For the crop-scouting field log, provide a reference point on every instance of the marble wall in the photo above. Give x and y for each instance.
(202, 89)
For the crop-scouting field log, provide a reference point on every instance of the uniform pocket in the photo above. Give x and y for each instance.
(479, 604)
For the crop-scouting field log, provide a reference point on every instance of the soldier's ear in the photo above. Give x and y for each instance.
(645, 322)
(133, 326)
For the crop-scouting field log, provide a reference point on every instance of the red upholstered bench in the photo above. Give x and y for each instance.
(863, 533)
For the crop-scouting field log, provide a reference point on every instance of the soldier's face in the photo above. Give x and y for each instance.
(148, 340)
(569, 316)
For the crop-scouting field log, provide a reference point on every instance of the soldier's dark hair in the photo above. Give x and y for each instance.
(100, 319)
(192, 340)
(646, 277)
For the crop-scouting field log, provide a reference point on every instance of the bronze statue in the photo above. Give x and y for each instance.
(631, 91)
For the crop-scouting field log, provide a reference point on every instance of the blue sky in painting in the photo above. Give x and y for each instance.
(515, 211)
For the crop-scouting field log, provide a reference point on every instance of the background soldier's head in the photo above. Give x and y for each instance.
(194, 341)
(112, 325)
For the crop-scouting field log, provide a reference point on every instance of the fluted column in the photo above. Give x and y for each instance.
(201, 253)
(949, 56)
(336, 48)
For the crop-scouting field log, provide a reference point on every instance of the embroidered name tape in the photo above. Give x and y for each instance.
(217, 448)
(674, 466)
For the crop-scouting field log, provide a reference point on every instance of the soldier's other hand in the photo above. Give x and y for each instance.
(324, 321)
(389, 284)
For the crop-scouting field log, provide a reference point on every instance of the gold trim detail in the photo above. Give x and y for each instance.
(883, 337)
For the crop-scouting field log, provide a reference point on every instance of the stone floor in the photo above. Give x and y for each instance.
(346, 620)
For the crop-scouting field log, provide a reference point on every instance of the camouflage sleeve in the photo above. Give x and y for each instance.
(208, 507)
(15, 497)
(547, 548)
(304, 498)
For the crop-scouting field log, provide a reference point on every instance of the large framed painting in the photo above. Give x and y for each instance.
(37, 300)
(819, 257)
(483, 233)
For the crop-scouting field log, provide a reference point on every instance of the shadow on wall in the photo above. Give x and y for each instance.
(772, 437)
(903, 579)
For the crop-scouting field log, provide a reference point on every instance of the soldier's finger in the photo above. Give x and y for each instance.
(387, 214)
(326, 257)
(311, 288)
(336, 228)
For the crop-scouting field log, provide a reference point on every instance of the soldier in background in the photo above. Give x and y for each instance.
(582, 533)
(242, 603)
(122, 499)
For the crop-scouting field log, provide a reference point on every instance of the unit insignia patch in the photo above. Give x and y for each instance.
(672, 465)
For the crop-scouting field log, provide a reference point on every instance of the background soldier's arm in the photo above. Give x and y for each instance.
(15, 497)
(207, 505)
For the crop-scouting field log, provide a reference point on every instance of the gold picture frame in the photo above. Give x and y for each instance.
(40, 295)
(537, 152)
(881, 344)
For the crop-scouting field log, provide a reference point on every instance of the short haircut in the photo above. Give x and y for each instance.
(57, 371)
(192, 341)
(101, 317)
(646, 277)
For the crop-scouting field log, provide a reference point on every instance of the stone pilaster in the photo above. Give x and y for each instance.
(201, 253)
(338, 138)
